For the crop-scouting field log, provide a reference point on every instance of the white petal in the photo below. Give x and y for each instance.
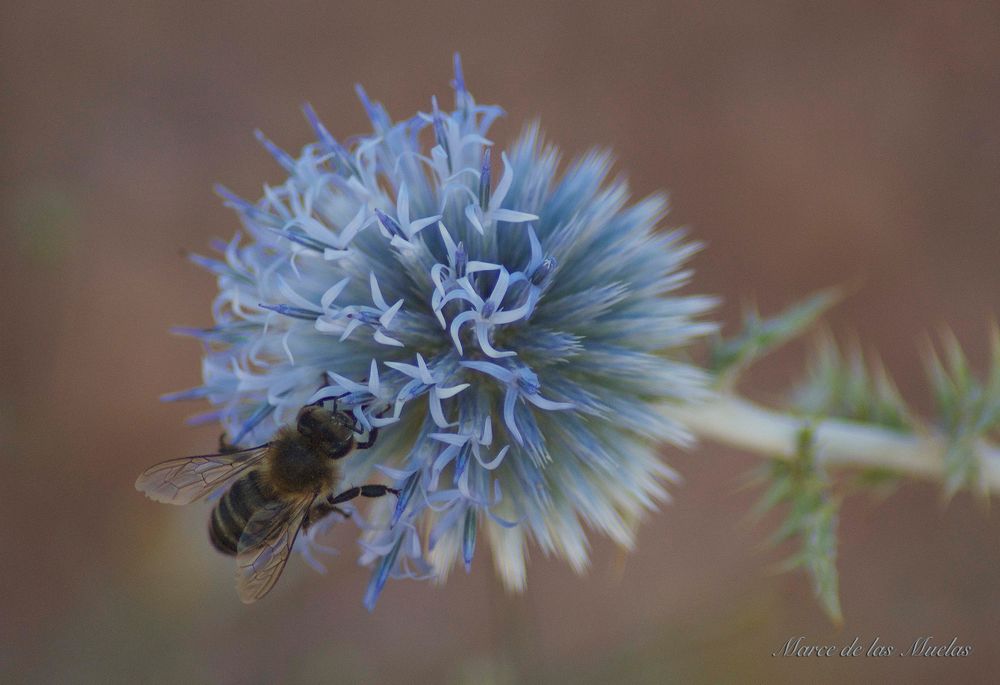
(421, 224)
(463, 483)
(507, 316)
(442, 460)
(495, 370)
(471, 213)
(437, 413)
(503, 187)
(456, 324)
(536, 249)
(461, 294)
(293, 297)
(474, 297)
(384, 339)
(508, 555)
(500, 289)
(508, 415)
(449, 244)
(482, 335)
(376, 292)
(403, 206)
(353, 323)
(390, 314)
(361, 220)
(330, 295)
(409, 369)
(379, 421)
(330, 254)
(490, 465)
(474, 266)
(288, 350)
(373, 381)
(325, 325)
(445, 393)
(512, 216)
(346, 383)
(543, 403)
(450, 438)
(474, 139)
(436, 277)
(425, 373)
(313, 229)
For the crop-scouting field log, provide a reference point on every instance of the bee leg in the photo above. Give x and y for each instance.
(363, 491)
(321, 400)
(372, 435)
(321, 510)
(224, 445)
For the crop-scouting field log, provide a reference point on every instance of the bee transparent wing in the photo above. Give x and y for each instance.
(266, 544)
(182, 481)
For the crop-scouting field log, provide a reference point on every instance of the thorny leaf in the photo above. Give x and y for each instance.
(845, 386)
(968, 410)
(762, 336)
(803, 486)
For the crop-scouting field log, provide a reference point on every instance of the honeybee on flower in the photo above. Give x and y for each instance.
(511, 331)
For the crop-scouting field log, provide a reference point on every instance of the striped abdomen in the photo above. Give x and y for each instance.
(234, 509)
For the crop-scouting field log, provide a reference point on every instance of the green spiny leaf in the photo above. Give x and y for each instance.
(961, 466)
(844, 386)
(968, 409)
(776, 493)
(761, 336)
(811, 519)
(820, 553)
(879, 482)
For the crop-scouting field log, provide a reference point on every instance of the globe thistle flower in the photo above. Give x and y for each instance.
(511, 330)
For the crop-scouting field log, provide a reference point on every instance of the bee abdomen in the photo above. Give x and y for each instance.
(233, 510)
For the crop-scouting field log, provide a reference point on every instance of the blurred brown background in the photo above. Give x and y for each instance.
(807, 144)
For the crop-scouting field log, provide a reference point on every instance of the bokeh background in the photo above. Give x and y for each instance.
(808, 144)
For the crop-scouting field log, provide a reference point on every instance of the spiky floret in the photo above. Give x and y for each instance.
(510, 328)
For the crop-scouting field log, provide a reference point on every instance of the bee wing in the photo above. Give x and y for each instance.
(265, 545)
(182, 481)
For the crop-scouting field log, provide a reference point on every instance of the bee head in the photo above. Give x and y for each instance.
(329, 428)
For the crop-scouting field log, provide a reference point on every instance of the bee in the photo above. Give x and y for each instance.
(275, 490)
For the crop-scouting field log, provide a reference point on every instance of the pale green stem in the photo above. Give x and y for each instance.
(740, 423)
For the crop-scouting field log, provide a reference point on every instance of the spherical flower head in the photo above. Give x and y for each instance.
(511, 331)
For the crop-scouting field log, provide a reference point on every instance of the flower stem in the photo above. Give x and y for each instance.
(739, 423)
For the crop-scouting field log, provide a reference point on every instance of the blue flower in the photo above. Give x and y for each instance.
(513, 343)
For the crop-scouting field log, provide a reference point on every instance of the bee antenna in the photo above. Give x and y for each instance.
(321, 400)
